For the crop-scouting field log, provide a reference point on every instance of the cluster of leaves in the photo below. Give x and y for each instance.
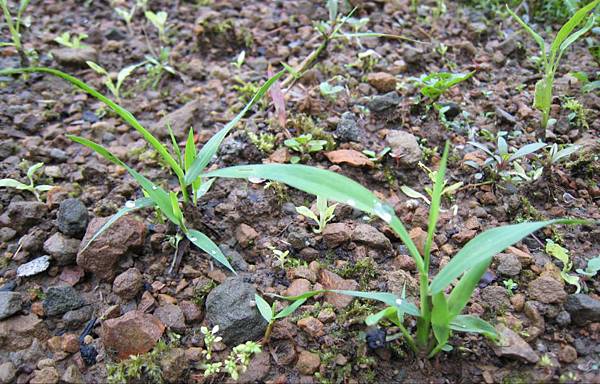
(447, 190)
(304, 145)
(562, 254)
(325, 213)
(434, 85)
(71, 41)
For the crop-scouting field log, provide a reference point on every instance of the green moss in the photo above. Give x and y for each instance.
(363, 270)
(200, 292)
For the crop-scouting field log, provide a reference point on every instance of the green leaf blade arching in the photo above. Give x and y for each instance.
(473, 324)
(203, 242)
(212, 146)
(264, 308)
(484, 246)
(130, 206)
(11, 183)
(285, 312)
(565, 31)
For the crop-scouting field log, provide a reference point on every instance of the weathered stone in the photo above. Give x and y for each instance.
(547, 290)
(128, 284)
(495, 297)
(369, 235)
(231, 306)
(34, 267)
(567, 354)
(172, 316)
(330, 280)
(7, 372)
(191, 311)
(382, 103)
(100, 257)
(347, 128)
(72, 217)
(47, 375)
(72, 375)
(75, 57)
(308, 362)
(336, 234)
(583, 309)
(131, 334)
(298, 287)
(62, 249)
(61, 299)
(382, 81)
(173, 365)
(508, 264)
(258, 369)
(312, 326)
(512, 345)
(10, 303)
(21, 215)
(76, 318)
(404, 148)
(245, 235)
(180, 120)
(18, 332)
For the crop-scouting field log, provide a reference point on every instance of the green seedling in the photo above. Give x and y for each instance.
(329, 91)
(265, 142)
(66, 40)
(187, 166)
(304, 144)
(439, 313)
(555, 155)
(435, 85)
(377, 156)
(127, 16)
(31, 187)
(159, 20)
(500, 161)
(510, 286)
(14, 27)
(114, 88)
(550, 60)
(239, 60)
(270, 315)
(593, 266)
(578, 114)
(157, 66)
(447, 190)
(586, 84)
(562, 254)
(325, 213)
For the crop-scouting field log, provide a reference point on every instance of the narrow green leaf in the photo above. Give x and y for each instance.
(440, 318)
(385, 297)
(385, 313)
(190, 150)
(526, 150)
(473, 324)
(43, 188)
(212, 146)
(175, 145)
(436, 199)
(176, 210)
(204, 188)
(484, 246)
(263, 307)
(285, 312)
(11, 183)
(31, 171)
(538, 39)
(130, 206)
(203, 242)
(569, 26)
(461, 293)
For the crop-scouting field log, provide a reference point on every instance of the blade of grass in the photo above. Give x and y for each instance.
(203, 242)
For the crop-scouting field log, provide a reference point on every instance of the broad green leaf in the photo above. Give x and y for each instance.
(565, 152)
(526, 150)
(569, 26)
(484, 246)
(203, 242)
(285, 312)
(330, 185)
(304, 211)
(31, 171)
(212, 146)
(130, 206)
(383, 314)
(461, 293)
(11, 183)
(204, 187)
(473, 324)
(332, 7)
(156, 193)
(122, 112)
(263, 307)
(440, 318)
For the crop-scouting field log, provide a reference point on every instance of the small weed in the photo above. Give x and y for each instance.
(325, 213)
(66, 40)
(31, 187)
(200, 292)
(305, 145)
(434, 85)
(578, 114)
(265, 142)
(510, 286)
(555, 250)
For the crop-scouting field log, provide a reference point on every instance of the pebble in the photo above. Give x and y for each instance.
(10, 303)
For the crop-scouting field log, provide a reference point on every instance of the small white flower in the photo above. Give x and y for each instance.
(204, 330)
(215, 329)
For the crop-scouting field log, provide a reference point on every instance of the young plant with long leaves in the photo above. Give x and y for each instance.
(566, 36)
(439, 313)
(187, 166)
(14, 27)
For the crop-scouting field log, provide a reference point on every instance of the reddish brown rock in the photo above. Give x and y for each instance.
(245, 235)
(128, 284)
(171, 315)
(191, 311)
(382, 81)
(348, 156)
(547, 290)
(308, 363)
(336, 234)
(100, 257)
(71, 275)
(312, 326)
(330, 280)
(18, 332)
(298, 287)
(131, 334)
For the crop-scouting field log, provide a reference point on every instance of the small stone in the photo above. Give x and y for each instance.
(547, 290)
(72, 375)
(583, 309)
(133, 333)
(172, 316)
(48, 375)
(18, 332)
(10, 303)
(464, 235)
(191, 311)
(326, 315)
(308, 362)
(312, 326)
(72, 217)
(258, 369)
(34, 267)
(173, 365)
(508, 264)
(71, 275)
(7, 372)
(61, 299)
(404, 148)
(382, 81)
(44, 363)
(21, 215)
(369, 235)
(303, 273)
(336, 234)
(495, 297)
(70, 343)
(128, 284)
(74, 57)
(180, 120)
(330, 280)
(350, 157)
(567, 354)
(512, 345)
(563, 318)
(347, 128)
(298, 287)
(62, 249)
(382, 103)
(245, 235)
(518, 301)
(76, 318)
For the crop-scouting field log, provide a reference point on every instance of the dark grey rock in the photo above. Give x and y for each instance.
(72, 218)
(347, 128)
(383, 102)
(10, 303)
(563, 318)
(508, 264)
(76, 318)
(62, 299)
(231, 306)
(237, 261)
(6, 234)
(583, 308)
